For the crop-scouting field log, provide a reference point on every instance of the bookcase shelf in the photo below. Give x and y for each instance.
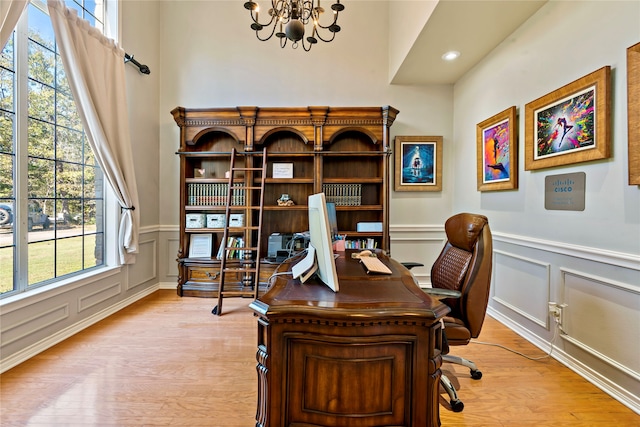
(341, 149)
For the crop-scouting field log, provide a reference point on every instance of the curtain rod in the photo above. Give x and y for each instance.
(143, 68)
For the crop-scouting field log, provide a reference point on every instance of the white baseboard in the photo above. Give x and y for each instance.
(168, 285)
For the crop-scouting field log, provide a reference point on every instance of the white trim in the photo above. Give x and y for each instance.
(601, 280)
(19, 301)
(618, 259)
(168, 285)
(522, 313)
(415, 228)
(606, 359)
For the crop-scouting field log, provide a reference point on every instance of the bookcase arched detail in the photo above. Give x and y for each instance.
(343, 151)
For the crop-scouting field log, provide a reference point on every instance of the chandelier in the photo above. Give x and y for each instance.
(288, 19)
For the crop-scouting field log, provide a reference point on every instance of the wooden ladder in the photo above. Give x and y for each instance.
(242, 237)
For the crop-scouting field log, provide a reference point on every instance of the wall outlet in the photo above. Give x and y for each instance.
(555, 311)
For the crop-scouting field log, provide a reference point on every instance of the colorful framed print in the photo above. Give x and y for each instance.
(418, 163)
(633, 112)
(497, 152)
(571, 124)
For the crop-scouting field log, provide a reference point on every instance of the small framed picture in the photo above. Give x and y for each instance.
(497, 152)
(283, 170)
(418, 163)
(201, 246)
(571, 124)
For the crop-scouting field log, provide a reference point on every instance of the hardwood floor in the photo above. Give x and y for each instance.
(167, 360)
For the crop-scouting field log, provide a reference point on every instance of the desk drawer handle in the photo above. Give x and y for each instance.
(212, 276)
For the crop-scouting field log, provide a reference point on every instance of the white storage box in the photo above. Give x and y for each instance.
(369, 227)
(215, 220)
(195, 220)
(236, 220)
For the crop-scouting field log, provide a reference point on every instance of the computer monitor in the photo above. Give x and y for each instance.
(333, 220)
(320, 239)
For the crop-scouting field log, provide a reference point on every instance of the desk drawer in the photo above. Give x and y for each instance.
(203, 274)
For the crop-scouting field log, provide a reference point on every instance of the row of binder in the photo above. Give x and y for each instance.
(213, 194)
(343, 194)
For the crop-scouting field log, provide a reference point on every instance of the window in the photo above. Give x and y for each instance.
(51, 189)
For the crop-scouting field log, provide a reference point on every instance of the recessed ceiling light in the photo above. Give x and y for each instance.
(451, 55)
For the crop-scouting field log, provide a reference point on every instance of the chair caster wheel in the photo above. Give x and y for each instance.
(215, 310)
(457, 405)
(476, 375)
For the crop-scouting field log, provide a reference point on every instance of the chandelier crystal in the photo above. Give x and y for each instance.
(291, 19)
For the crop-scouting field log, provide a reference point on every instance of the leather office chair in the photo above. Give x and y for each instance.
(460, 278)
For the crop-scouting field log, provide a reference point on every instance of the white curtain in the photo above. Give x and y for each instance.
(10, 12)
(94, 65)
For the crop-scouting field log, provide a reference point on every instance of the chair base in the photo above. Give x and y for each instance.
(476, 374)
(456, 403)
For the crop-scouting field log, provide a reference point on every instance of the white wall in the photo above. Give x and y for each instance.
(588, 259)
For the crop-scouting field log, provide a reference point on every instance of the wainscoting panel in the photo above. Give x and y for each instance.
(16, 328)
(145, 269)
(522, 285)
(99, 296)
(602, 317)
(417, 243)
(172, 255)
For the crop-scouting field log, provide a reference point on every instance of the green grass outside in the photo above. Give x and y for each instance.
(42, 260)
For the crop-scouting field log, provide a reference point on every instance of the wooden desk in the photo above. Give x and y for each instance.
(365, 356)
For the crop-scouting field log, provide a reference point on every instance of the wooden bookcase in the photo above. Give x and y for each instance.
(343, 151)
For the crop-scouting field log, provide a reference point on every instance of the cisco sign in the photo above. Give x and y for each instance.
(564, 192)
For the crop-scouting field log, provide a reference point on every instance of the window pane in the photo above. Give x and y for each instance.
(6, 57)
(41, 178)
(67, 115)
(6, 264)
(6, 89)
(40, 27)
(42, 63)
(69, 145)
(61, 77)
(89, 157)
(41, 101)
(41, 261)
(6, 176)
(6, 133)
(93, 182)
(69, 255)
(68, 180)
(41, 139)
(39, 211)
(93, 250)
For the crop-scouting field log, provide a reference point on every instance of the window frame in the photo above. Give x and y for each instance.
(111, 212)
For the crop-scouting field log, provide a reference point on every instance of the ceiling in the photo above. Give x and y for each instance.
(473, 28)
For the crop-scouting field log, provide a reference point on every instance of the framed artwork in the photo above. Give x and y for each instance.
(633, 112)
(497, 152)
(418, 163)
(201, 246)
(571, 124)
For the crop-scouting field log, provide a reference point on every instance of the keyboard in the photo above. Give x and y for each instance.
(374, 266)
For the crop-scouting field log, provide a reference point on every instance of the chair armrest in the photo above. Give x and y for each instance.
(410, 265)
(440, 293)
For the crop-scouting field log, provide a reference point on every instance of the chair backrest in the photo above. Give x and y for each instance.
(465, 265)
